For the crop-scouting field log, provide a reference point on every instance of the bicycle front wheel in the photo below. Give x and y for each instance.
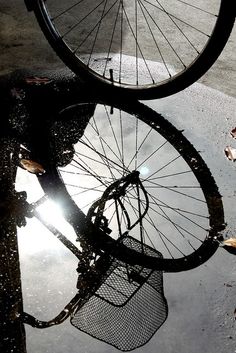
(134, 175)
(147, 48)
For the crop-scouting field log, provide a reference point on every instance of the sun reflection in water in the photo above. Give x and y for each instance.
(35, 237)
(144, 170)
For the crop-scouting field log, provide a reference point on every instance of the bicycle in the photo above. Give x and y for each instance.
(147, 49)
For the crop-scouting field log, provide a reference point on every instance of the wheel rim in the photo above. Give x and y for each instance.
(180, 214)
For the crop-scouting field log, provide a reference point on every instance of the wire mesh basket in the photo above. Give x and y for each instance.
(129, 306)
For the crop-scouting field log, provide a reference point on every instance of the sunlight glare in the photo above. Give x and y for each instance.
(41, 238)
(144, 170)
(51, 213)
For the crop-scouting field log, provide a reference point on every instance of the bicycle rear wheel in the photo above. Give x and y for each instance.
(134, 174)
(147, 48)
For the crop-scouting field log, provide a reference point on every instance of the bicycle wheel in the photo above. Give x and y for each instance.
(147, 48)
(134, 175)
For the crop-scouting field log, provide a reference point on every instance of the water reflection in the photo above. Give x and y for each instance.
(112, 141)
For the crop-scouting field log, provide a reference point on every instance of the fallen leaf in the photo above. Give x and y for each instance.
(230, 242)
(230, 153)
(37, 80)
(233, 133)
(32, 166)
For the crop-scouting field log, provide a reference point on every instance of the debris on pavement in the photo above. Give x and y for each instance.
(233, 133)
(230, 153)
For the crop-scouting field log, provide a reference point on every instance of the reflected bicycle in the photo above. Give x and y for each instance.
(121, 170)
(138, 195)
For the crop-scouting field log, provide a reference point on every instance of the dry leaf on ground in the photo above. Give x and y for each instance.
(32, 166)
(230, 153)
(230, 242)
(233, 133)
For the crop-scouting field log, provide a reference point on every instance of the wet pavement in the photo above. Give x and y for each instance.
(207, 119)
(201, 301)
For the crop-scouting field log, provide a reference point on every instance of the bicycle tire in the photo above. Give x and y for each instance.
(179, 215)
(203, 53)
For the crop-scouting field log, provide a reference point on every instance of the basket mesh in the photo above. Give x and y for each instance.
(128, 308)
